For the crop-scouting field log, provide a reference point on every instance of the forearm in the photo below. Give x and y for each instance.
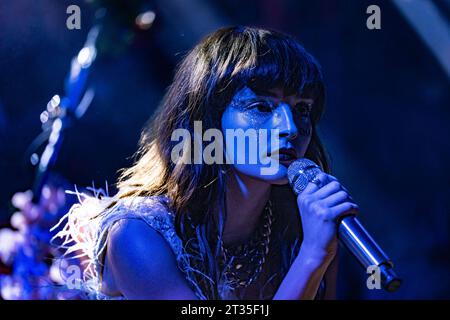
(331, 279)
(303, 278)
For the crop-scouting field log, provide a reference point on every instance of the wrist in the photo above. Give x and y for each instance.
(315, 258)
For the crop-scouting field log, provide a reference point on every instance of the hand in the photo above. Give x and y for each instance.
(321, 205)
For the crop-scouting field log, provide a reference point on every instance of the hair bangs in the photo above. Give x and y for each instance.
(281, 62)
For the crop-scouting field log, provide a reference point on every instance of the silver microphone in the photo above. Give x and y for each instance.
(350, 231)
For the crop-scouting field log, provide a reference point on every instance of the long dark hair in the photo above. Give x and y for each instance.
(204, 83)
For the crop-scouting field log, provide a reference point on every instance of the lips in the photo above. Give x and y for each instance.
(287, 154)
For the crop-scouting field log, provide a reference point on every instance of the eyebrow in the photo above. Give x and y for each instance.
(307, 100)
(265, 92)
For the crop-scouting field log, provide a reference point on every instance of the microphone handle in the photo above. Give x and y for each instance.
(357, 240)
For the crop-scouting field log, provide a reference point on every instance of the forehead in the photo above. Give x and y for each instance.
(277, 93)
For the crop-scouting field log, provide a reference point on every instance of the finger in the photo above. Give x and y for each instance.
(320, 180)
(333, 178)
(336, 198)
(327, 190)
(343, 209)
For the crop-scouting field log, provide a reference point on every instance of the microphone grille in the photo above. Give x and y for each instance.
(301, 172)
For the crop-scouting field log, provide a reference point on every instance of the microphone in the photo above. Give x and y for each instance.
(350, 231)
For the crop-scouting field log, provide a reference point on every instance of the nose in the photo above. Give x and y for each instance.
(287, 126)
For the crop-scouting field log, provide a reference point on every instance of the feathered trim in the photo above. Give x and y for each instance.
(85, 229)
(80, 234)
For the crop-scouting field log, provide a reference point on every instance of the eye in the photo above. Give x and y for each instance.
(303, 109)
(261, 106)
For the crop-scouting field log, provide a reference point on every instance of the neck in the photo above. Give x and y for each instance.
(245, 201)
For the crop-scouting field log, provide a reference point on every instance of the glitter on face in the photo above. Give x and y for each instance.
(256, 110)
(265, 111)
(249, 105)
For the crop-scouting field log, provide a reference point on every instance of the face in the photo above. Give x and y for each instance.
(283, 132)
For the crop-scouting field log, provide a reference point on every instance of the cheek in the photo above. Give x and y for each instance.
(304, 127)
(304, 136)
(250, 119)
(231, 120)
(302, 144)
(243, 147)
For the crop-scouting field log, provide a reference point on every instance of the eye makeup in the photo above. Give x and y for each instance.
(257, 109)
(302, 116)
(303, 109)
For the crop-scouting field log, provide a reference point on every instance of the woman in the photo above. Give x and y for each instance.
(179, 229)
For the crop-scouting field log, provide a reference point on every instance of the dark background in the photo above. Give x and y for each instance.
(386, 125)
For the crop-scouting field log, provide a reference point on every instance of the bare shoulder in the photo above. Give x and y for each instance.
(143, 264)
(133, 240)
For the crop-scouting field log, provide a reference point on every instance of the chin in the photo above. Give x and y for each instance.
(280, 182)
(279, 177)
(274, 180)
